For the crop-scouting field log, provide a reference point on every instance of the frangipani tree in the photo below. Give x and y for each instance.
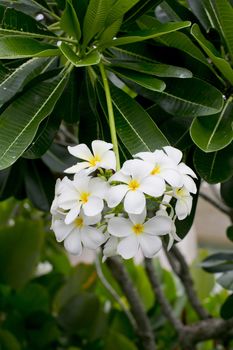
(141, 75)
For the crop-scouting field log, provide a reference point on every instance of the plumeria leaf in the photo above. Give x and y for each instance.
(214, 167)
(135, 128)
(90, 59)
(21, 246)
(225, 15)
(227, 192)
(227, 308)
(147, 81)
(69, 21)
(218, 262)
(157, 69)
(16, 79)
(40, 189)
(95, 18)
(110, 33)
(12, 47)
(141, 35)
(213, 132)
(15, 22)
(187, 97)
(226, 280)
(205, 11)
(210, 50)
(30, 109)
(139, 9)
(58, 159)
(119, 8)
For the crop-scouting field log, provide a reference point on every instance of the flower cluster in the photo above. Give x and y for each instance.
(124, 211)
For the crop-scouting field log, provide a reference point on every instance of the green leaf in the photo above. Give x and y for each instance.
(39, 188)
(58, 159)
(148, 82)
(15, 80)
(43, 138)
(218, 262)
(94, 19)
(230, 233)
(20, 250)
(16, 22)
(119, 8)
(8, 186)
(141, 35)
(135, 128)
(8, 341)
(227, 308)
(225, 15)
(30, 109)
(205, 11)
(226, 280)
(227, 192)
(109, 33)
(139, 9)
(157, 69)
(90, 59)
(116, 341)
(187, 97)
(12, 47)
(213, 132)
(69, 21)
(210, 50)
(214, 167)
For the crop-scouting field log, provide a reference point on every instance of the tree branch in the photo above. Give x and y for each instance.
(162, 300)
(182, 271)
(144, 329)
(112, 291)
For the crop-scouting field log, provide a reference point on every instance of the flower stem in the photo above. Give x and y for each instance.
(110, 115)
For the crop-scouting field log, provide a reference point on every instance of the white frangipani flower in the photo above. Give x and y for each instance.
(135, 234)
(136, 183)
(163, 168)
(80, 233)
(172, 234)
(110, 248)
(100, 157)
(83, 192)
(186, 173)
(184, 202)
(60, 185)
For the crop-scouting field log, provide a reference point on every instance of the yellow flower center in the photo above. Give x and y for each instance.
(79, 222)
(138, 229)
(180, 192)
(94, 160)
(133, 185)
(84, 197)
(156, 170)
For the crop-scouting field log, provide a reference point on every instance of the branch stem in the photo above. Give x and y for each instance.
(110, 114)
(144, 330)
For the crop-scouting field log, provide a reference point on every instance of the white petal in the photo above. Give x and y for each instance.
(119, 176)
(76, 168)
(184, 169)
(189, 184)
(98, 187)
(91, 237)
(119, 227)
(115, 195)
(147, 156)
(150, 245)
(174, 153)
(158, 225)
(134, 202)
(73, 213)
(153, 186)
(183, 207)
(110, 248)
(81, 182)
(100, 147)
(159, 156)
(138, 218)
(172, 177)
(67, 199)
(80, 151)
(108, 161)
(94, 206)
(73, 243)
(128, 247)
(91, 220)
(137, 168)
(61, 230)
